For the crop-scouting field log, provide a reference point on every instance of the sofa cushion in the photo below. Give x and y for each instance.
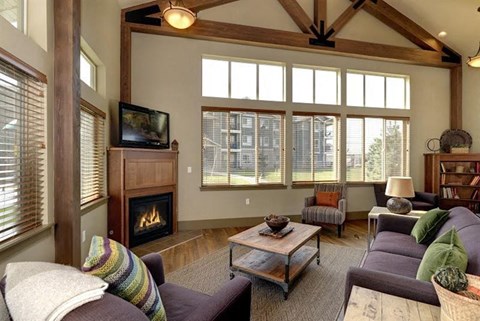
(127, 276)
(470, 239)
(398, 243)
(448, 249)
(392, 263)
(428, 225)
(180, 302)
(459, 217)
(329, 199)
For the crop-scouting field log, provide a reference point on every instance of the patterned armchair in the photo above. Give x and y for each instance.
(314, 214)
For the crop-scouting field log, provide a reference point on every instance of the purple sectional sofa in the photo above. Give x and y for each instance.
(391, 265)
(230, 303)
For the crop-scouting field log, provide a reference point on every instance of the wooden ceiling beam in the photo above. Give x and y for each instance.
(299, 16)
(240, 34)
(320, 14)
(345, 17)
(403, 25)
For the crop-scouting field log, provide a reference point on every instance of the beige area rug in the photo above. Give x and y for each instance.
(317, 295)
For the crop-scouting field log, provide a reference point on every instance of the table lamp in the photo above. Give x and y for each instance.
(399, 187)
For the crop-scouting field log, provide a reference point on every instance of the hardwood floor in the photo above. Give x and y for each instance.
(187, 246)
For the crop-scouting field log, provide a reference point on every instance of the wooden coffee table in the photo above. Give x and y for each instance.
(276, 260)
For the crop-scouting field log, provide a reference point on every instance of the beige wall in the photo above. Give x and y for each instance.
(166, 75)
(101, 32)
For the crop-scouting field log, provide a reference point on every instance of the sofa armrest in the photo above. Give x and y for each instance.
(230, 303)
(389, 283)
(431, 198)
(154, 263)
(309, 201)
(395, 223)
(342, 205)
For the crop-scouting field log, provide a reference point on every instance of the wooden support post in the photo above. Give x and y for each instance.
(320, 14)
(67, 131)
(456, 97)
(125, 63)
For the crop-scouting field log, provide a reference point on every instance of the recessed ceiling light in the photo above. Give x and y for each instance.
(442, 34)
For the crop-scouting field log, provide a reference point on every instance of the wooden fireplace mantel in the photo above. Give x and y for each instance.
(135, 172)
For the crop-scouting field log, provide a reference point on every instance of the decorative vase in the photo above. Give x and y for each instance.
(174, 145)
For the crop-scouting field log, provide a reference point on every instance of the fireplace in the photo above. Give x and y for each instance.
(150, 217)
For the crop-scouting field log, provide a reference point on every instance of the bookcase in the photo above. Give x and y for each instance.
(455, 178)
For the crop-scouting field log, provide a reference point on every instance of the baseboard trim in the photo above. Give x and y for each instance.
(249, 221)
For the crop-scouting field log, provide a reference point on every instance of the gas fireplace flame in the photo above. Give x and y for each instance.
(149, 218)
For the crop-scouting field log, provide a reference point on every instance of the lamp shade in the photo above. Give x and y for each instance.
(398, 186)
(474, 61)
(178, 16)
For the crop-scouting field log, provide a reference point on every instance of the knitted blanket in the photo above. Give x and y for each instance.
(41, 291)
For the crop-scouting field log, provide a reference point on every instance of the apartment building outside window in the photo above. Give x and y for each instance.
(316, 140)
(233, 155)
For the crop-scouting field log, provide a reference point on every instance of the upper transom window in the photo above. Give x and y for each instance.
(243, 79)
(314, 85)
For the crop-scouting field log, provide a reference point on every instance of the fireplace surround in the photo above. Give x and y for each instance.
(136, 174)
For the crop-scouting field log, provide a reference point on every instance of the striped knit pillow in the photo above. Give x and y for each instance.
(126, 274)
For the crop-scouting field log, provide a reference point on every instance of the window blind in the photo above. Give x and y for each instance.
(377, 148)
(22, 151)
(242, 147)
(92, 150)
(316, 139)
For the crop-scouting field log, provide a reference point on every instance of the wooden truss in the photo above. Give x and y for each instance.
(315, 36)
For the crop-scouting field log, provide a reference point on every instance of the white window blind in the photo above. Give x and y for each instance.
(234, 155)
(377, 148)
(92, 150)
(316, 140)
(22, 151)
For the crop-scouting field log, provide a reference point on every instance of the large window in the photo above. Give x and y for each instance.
(92, 150)
(377, 90)
(315, 85)
(376, 148)
(88, 71)
(243, 79)
(22, 151)
(315, 147)
(14, 12)
(234, 155)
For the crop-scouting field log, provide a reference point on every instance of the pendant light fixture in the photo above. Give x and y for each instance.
(179, 16)
(474, 61)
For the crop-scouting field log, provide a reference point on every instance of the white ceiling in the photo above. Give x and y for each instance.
(459, 18)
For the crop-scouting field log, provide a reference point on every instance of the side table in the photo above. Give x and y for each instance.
(369, 305)
(373, 217)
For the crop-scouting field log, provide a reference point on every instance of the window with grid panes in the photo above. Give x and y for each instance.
(226, 162)
(14, 12)
(243, 79)
(377, 90)
(88, 71)
(316, 140)
(377, 148)
(315, 85)
(22, 151)
(92, 151)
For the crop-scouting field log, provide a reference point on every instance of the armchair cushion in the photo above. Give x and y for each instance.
(428, 225)
(128, 277)
(328, 199)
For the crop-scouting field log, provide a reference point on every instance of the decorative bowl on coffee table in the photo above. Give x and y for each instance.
(276, 222)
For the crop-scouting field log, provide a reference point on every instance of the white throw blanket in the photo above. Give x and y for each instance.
(41, 291)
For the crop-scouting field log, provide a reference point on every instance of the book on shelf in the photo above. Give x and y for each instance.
(475, 180)
(474, 194)
(443, 167)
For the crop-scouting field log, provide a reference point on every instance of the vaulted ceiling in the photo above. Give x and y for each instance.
(459, 18)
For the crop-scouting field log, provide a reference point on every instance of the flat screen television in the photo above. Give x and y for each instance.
(143, 127)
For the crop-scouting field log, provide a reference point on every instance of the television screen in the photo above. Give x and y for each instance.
(143, 127)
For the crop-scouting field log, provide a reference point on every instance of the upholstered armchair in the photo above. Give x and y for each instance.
(421, 201)
(315, 213)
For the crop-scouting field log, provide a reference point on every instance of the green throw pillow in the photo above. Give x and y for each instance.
(128, 277)
(447, 249)
(428, 225)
